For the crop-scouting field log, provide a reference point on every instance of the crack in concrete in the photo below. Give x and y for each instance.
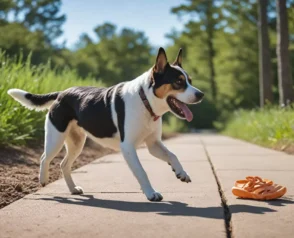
(227, 212)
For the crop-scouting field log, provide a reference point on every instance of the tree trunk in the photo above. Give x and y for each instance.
(265, 74)
(211, 52)
(284, 71)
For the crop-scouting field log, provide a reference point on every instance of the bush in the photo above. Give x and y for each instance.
(173, 124)
(204, 116)
(18, 124)
(268, 127)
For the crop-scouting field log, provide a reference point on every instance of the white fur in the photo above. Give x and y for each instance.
(19, 95)
(53, 143)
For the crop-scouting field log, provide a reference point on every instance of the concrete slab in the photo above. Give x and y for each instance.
(113, 205)
(251, 218)
(254, 218)
(187, 139)
(214, 139)
(262, 162)
(112, 215)
(236, 150)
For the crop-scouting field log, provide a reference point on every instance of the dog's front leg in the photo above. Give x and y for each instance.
(157, 149)
(131, 157)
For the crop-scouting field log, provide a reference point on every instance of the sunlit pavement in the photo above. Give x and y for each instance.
(114, 206)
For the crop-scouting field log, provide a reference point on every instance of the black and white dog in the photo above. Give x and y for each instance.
(120, 117)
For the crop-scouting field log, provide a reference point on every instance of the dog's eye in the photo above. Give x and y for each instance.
(179, 81)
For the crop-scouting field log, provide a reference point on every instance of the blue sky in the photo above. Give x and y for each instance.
(151, 16)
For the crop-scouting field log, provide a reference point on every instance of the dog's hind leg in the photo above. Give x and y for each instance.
(53, 143)
(74, 144)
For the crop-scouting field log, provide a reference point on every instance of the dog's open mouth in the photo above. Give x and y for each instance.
(179, 108)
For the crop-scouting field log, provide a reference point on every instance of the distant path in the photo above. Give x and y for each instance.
(113, 205)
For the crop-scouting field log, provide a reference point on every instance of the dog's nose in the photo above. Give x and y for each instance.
(199, 95)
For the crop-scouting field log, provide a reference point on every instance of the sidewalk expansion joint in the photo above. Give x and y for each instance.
(227, 212)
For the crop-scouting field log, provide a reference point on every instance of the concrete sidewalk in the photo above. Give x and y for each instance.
(113, 205)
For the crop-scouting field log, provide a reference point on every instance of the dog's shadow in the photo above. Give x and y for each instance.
(169, 208)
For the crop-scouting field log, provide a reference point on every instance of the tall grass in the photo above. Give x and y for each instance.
(18, 125)
(273, 127)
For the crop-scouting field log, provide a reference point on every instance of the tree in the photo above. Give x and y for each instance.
(5, 7)
(265, 75)
(37, 15)
(16, 38)
(238, 55)
(284, 71)
(105, 31)
(117, 56)
(207, 13)
(31, 26)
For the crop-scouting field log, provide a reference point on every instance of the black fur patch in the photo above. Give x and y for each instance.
(41, 99)
(169, 76)
(120, 111)
(90, 106)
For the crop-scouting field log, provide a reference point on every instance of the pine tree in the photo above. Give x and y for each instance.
(205, 11)
(265, 74)
(284, 71)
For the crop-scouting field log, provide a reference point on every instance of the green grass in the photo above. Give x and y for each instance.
(19, 125)
(271, 127)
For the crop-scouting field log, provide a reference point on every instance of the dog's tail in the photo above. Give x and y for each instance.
(38, 102)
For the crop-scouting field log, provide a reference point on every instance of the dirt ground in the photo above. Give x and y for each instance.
(289, 149)
(19, 169)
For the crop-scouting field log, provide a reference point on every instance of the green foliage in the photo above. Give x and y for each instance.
(173, 124)
(18, 124)
(235, 56)
(205, 25)
(16, 39)
(205, 114)
(219, 41)
(271, 126)
(116, 57)
(38, 16)
(31, 26)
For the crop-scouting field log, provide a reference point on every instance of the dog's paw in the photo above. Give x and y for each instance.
(183, 176)
(44, 180)
(43, 184)
(77, 190)
(154, 196)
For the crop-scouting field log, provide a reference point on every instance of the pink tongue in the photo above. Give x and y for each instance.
(187, 112)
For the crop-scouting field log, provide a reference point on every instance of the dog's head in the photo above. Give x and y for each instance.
(172, 84)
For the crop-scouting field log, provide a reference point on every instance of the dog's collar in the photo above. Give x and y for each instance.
(147, 104)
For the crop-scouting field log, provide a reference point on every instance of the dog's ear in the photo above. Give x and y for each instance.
(161, 61)
(179, 58)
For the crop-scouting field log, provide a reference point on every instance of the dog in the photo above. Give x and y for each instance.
(121, 117)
